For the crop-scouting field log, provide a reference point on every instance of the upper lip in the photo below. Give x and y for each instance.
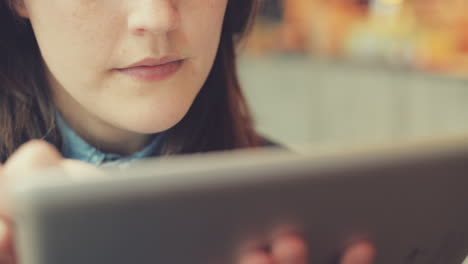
(148, 62)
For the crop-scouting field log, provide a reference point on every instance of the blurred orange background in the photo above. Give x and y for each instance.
(429, 35)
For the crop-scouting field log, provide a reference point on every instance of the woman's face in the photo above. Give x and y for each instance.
(102, 57)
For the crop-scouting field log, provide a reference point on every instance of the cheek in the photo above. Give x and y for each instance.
(202, 25)
(74, 42)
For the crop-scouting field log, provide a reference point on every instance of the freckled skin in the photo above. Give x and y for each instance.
(83, 41)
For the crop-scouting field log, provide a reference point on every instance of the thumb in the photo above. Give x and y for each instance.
(35, 154)
(28, 158)
(7, 253)
(31, 156)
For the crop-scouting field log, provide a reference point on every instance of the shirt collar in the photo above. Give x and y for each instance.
(74, 147)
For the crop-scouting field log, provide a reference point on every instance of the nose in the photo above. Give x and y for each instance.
(153, 16)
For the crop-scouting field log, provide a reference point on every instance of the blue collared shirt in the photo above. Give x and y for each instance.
(74, 147)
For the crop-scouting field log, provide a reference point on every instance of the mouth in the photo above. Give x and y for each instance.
(152, 70)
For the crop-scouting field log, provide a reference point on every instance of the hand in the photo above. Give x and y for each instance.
(285, 249)
(28, 158)
(292, 249)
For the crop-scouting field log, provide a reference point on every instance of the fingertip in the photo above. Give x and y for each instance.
(3, 230)
(5, 236)
(290, 249)
(37, 146)
(363, 252)
(256, 257)
(33, 154)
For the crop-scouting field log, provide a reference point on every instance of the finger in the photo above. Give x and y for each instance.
(255, 250)
(29, 157)
(35, 154)
(4, 237)
(290, 249)
(256, 257)
(7, 260)
(359, 253)
(6, 242)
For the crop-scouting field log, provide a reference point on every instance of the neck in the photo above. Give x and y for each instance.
(99, 134)
(104, 136)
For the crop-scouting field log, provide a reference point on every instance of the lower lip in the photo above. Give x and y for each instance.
(152, 73)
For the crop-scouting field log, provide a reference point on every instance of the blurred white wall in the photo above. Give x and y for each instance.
(297, 101)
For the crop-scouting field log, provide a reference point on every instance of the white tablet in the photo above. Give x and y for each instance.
(410, 200)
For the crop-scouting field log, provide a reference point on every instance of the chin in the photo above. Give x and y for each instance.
(155, 121)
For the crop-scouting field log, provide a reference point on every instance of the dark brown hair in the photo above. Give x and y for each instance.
(219, 118)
